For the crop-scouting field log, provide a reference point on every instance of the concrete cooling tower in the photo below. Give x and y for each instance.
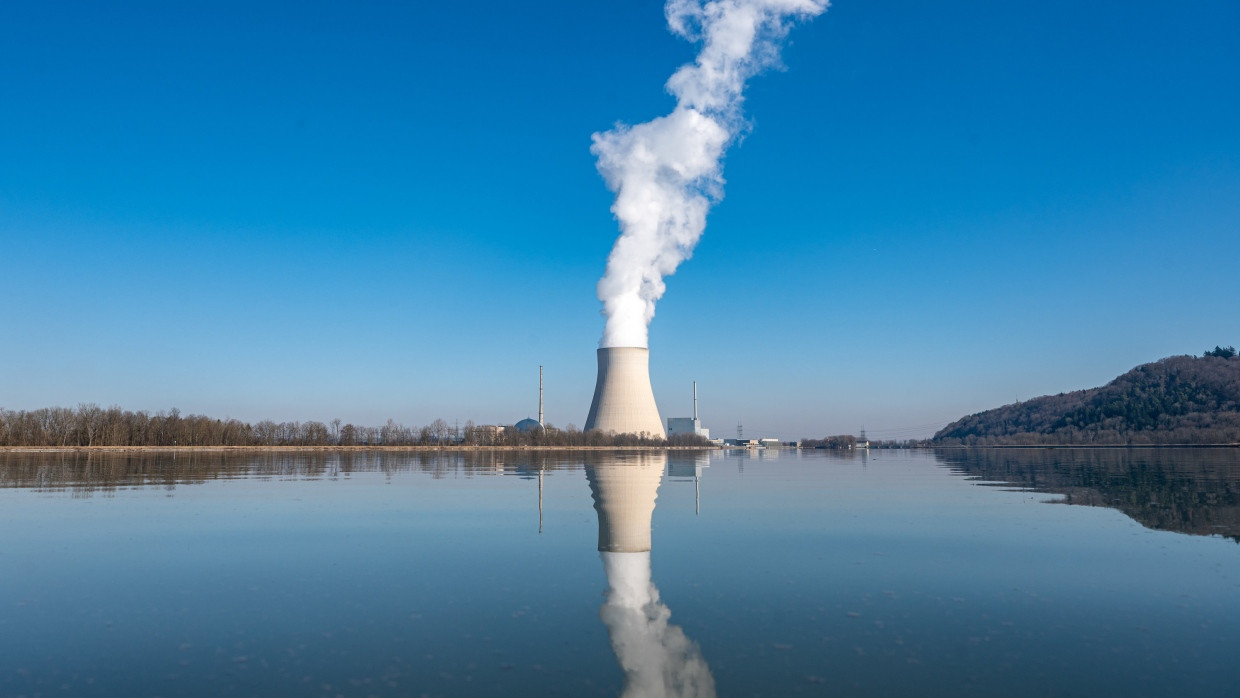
(623, 400)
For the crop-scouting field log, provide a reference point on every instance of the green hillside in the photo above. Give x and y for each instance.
(1177, 400)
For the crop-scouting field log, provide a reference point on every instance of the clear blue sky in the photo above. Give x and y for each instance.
(370, 210)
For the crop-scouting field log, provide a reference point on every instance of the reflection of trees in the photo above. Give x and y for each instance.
(84, 474)
(1195, 491)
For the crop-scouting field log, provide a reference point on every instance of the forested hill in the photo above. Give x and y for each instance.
(1178, 400)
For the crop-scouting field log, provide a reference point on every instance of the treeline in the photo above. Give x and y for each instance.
(91, 425)
(843, 441)
(847, 441)
(1178, 400)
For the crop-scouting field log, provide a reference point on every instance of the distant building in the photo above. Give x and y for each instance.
(688, 425)
(863, 442)
(528, 424)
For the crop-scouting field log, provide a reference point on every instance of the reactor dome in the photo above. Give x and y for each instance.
(528, 424)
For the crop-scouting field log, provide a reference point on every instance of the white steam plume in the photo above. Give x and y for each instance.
(668, 172)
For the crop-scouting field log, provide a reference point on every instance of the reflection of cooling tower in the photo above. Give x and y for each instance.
(624, 495)
(623, 401)
(657, 659)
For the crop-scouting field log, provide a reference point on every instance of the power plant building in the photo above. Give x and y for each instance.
(688, 425)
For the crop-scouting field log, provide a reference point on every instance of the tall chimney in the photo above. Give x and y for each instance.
(540, 421)
(695, 403)
(623, 400)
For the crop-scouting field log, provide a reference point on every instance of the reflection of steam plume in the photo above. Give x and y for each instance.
(667, 173)
(657, 658)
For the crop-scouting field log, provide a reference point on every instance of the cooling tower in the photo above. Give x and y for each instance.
(623, 401)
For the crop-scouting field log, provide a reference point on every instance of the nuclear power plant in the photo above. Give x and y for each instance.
(623, 400)
(688, 425)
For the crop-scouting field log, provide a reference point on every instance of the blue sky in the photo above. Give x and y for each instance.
(374, 210)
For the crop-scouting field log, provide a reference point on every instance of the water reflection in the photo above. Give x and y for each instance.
(1193, 491)
(656, 656)
(87, 474)
(689, 466)
(854, 573)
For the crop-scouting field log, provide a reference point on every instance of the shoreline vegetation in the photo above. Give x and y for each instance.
(89, 426)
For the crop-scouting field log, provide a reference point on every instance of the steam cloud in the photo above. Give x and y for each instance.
(668, 172)
(658, 660)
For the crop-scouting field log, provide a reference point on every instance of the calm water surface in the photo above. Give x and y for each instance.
(953, 573)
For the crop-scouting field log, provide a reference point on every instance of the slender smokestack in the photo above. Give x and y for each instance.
(540, 416)
(695, 401)
(623, 400)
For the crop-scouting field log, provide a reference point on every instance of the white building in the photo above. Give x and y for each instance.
(688, 425)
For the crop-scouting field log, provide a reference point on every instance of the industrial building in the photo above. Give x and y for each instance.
(688, 425)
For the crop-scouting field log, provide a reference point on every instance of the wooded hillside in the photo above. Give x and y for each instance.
(1177, 400)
